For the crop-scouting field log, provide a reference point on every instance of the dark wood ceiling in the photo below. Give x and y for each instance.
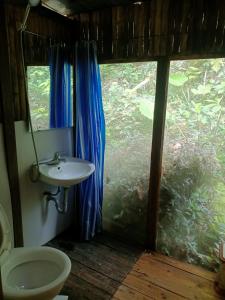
(70, 8)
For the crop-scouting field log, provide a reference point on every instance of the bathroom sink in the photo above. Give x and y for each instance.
(69, 171)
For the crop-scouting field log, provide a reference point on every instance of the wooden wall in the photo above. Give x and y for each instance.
(49, 27)
(13, 105)
(153, 29)
(7, 109)
(156, 28)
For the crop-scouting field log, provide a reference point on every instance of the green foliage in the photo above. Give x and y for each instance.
(191, 223)
(128, 107)
(124, 105)
(38, 78)
(146, 108)
(178, 79)
(192, 194)
(39, 93)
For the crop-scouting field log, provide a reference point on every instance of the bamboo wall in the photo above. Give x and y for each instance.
(156, 28)
(0, 107)
(43, 22)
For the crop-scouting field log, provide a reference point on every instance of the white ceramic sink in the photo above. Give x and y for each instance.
(69, 171)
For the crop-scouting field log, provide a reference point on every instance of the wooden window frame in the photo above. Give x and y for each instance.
(7, 105)
(162, 78)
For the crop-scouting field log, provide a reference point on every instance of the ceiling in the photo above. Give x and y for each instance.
(70, 8)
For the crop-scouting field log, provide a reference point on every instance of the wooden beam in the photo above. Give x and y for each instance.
(6, 90)
(157, 150)
(1, 291)
(156, 58)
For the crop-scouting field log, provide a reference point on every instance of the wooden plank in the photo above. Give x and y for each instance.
(15, 60)
(127, 293)
(152, 25)
(220, 27)
(120, 31)
(121, 257)
(94, 278)
(98, 268)
(186, 15)
(177, 26)
(84, 27)
(157, 150)
(171, 25)
(9, 131)
(147, 28)
(106, 32)
(36, 50)
(154, 276)
(184, 266)
(108, 261)
(94, 25)
(78, 289)
(196, 33)
(157, 25)
(130, 31)
(50, 24)
(98, 248)
(0, 102)
(136, 281)
(159, 28)
(107, 239)
(139, 29)
(210, 22)
(1, 291)
(164, 28)
(175, 280)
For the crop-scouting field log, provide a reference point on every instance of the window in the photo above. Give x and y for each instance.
(38, 95)
(128, 99)
(38, 78)
(192, 204)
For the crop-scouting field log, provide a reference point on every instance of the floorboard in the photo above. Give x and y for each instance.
(107, 268)
(98, 267)
(159, 277)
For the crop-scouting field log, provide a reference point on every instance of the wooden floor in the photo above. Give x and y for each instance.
(109, 269)
(155, 276)
(98, 267)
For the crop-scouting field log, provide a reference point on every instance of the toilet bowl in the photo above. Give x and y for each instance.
(30, 273)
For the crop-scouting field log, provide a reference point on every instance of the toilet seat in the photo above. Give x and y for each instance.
(30, 272)
(19, 257)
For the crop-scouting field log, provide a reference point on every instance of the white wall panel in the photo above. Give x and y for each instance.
(41, 221)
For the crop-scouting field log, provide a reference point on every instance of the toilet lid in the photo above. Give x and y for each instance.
(5, 235)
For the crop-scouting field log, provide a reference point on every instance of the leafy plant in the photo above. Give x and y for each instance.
(191, 223)
(39, 93)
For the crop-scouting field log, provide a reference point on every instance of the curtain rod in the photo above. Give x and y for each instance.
(52, 41)
(36, 34)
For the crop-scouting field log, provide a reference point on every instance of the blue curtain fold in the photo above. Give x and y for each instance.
(90, 137)
(60, 88)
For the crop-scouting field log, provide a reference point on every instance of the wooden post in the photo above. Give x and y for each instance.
(157, 150)
(1, 291)
(7, 104)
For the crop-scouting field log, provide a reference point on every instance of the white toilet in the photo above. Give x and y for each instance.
(32, 273)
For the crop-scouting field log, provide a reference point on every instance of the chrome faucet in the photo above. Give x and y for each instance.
(56, 159)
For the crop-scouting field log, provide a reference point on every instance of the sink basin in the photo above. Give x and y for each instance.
(69, 171)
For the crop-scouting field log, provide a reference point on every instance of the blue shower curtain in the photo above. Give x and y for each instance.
(60, 88)
(90, 137)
